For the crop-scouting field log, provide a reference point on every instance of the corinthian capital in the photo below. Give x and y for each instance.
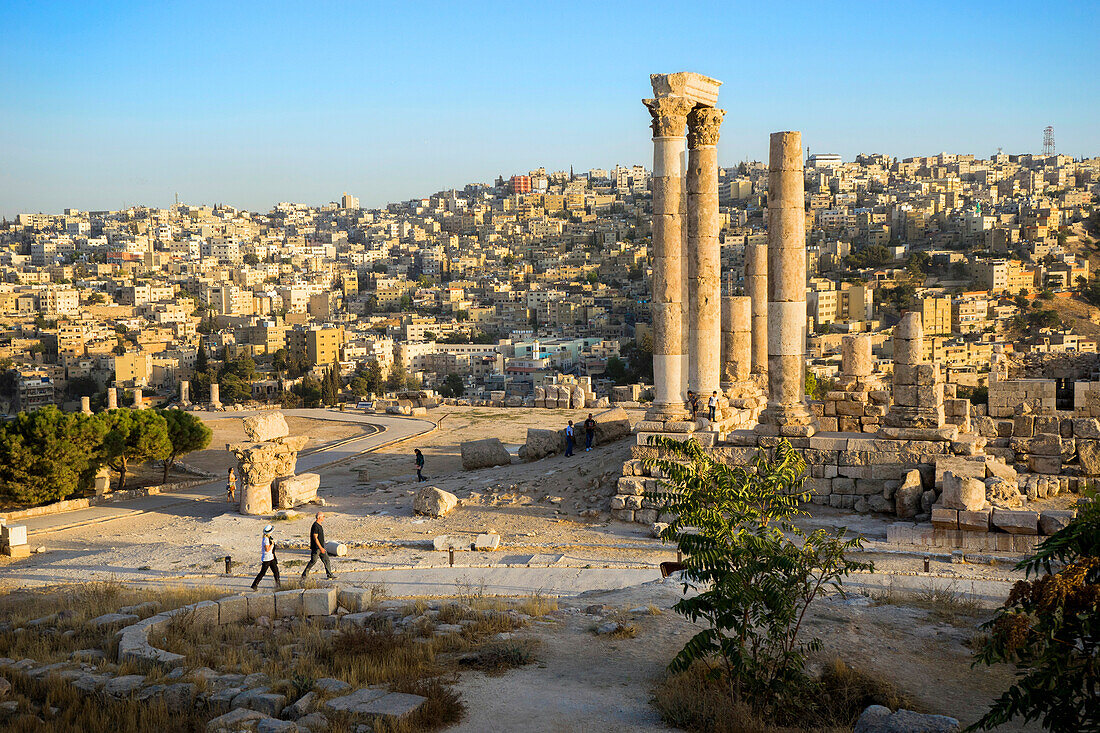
(669, 115)
(703, 124)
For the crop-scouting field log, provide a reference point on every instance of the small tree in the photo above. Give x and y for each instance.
(756, 572)
(134, 436)
(1050, 629)
(186, 433)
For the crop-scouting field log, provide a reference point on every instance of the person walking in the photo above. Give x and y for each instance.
(419, 464)
(589, 432)
(712, 405)
(317, 547)
(693, 404)
(267, 558)
(231, 486)
(569, 439)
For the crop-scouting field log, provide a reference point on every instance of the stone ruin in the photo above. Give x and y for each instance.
(953, 474)
(266, 466)
(566, 392)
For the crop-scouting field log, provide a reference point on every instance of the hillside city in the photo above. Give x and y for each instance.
(498, 288)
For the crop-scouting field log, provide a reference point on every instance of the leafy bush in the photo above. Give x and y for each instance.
(755, 572)
(1049, 628)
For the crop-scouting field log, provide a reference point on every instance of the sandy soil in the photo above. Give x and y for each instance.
(586, 682)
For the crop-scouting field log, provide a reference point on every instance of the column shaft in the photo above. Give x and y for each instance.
(669, 118)
(756, 286)
(704, 255)
(786, 286)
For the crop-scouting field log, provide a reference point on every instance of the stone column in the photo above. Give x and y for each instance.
(786, 409)
(669, 119)
(736, 339)
(185, 392)
(215, 395)
(855, 356)
(918, 391)
(112, 398)
(86, 405)
(139, 402)
(756, 286)
(704, 255)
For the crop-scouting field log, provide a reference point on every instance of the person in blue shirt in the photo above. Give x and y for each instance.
(569, 439)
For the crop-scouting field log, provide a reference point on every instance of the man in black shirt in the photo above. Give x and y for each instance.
(317, 547)
(589, 432)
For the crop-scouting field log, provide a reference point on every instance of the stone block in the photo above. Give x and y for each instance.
(1052, 521)
(631, 486)
(292, 491)
(375, 702)
(487, 542)
(354, 599)
(963, 492)
(959, 466)
(1016, 522)
(317, 601)
(288, 603)
(13, 535)
(977, 521)
(1049, 465)
(232, 609)
(484, 453)
(265, 426)
(944, 518)
(434, 502)
(205, 613)
(261, 604)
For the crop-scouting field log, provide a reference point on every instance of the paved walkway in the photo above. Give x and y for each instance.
(387, 429)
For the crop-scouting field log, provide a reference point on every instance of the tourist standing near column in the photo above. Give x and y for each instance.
(669, 119)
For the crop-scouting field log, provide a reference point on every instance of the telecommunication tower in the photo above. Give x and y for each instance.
(1048, 140)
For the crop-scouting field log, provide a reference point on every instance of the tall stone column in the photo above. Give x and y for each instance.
(669, 120)
(756, 286)
(704, 255)
(736, 339)
(185, 392)
(786, 412)
(86, 405)
(215, 395)
(139, 401)
(112, 398)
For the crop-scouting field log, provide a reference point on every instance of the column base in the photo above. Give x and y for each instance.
(789, 421)
(667, 412)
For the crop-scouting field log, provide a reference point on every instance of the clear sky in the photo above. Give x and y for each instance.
(105, 105)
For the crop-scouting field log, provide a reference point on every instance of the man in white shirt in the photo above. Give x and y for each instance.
(712, 403)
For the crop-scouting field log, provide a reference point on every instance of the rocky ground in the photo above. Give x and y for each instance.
(554, 508)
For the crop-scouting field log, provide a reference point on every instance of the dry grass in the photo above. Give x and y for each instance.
(943, 604)
(80, 713)
(498, 657)
(71, 608)
(699, 700)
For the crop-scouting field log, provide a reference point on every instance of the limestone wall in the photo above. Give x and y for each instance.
(1006, 395)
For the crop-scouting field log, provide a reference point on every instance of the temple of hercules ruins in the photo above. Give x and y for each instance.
(891, 438)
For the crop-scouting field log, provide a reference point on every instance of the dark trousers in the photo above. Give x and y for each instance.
(419, 475)
(712, 413)
(568, 445)
(312, 561)
(274, 565)
(588, 440)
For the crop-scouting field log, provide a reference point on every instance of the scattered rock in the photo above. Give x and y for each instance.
(907, 497)
(241, 719)
(879, 719)
(608, 627)
(484, 453)
(5, 687)
(434, 502)
(108, 619)
(331, 686)
(487, 542)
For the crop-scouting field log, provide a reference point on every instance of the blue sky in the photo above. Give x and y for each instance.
(110, 104)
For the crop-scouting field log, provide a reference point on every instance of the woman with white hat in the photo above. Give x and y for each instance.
(267, 557)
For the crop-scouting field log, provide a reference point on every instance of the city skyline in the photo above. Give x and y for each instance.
(224, 106)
